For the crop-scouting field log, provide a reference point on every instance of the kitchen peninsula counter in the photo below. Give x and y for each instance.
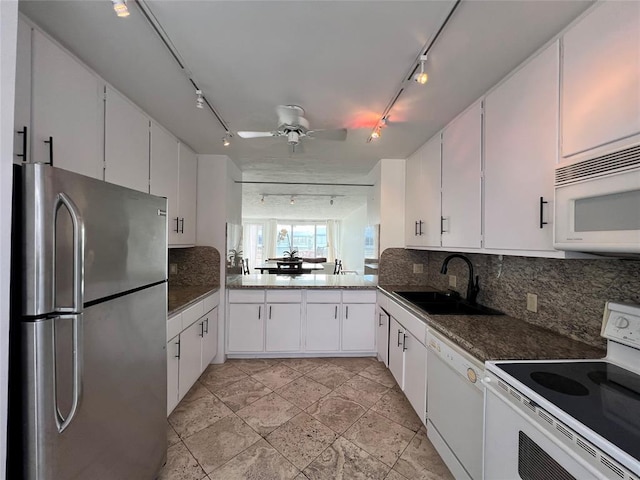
(499, 337)
(258, 281)
(181, 297)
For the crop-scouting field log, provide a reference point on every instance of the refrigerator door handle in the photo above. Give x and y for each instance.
(78, 253)
(61, 422)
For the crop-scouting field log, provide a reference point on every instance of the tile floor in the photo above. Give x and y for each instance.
(298, 418)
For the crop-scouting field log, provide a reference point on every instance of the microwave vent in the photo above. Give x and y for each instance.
(595, 167)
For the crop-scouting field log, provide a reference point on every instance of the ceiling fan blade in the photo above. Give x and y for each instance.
(339, 134)
(289, 114)
(257, 134)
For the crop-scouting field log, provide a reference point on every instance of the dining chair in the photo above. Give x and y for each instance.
(245, 266)
(338, 267)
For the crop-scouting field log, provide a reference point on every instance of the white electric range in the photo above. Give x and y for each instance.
(568, 419)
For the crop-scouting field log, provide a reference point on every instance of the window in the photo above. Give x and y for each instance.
(309, 239)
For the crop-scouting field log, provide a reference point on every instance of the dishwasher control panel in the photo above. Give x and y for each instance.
(456, 360)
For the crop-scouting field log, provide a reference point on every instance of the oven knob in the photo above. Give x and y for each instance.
(471, 375)
(621, 322)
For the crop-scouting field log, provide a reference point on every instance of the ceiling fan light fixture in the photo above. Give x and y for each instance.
(120, 7)
(293, 137)
(421, 77)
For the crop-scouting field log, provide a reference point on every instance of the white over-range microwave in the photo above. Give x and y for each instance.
(597, 203)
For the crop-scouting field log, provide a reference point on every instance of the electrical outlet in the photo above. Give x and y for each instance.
(453, 281)
(173, 268)
(418, 268)
(532, 302)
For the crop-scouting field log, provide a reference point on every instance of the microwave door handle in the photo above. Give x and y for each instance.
(62, 199)
(63, 422)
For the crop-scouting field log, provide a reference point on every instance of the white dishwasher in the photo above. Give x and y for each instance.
(455, 406)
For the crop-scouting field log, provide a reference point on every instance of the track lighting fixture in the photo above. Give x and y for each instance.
(375, 134)
(292, 201)
(199, 99)
(331, 201)
(262, 199)
(120, 7)
(421, 77)
(226, 142)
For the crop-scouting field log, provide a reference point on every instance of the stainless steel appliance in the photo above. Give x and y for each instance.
(454, 406)
(88, 332)
(569, 419)
(597, 203)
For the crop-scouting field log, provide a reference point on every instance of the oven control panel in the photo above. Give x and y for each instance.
(621, 323)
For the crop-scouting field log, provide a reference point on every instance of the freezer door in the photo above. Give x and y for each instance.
(116, 378)
(124, 234)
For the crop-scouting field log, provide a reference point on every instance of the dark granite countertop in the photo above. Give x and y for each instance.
(499, 337)
(356, 282)
(181, 297)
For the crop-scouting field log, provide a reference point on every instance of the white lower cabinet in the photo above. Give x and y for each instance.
(382, 335)
(415, 374)
(246, 327)
(193, 344)
(396, 352)
(292, 321)
(283, 327)
(323, 327)
(358, 327)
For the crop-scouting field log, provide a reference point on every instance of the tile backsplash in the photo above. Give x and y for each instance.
(195, 266)
(571, 293)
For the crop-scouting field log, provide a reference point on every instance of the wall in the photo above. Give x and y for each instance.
(571, 293)
(219, 202)
(351, 250)
(8, 35)
(385, 203)
(195, 266)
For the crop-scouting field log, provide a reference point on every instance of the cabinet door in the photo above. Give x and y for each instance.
(22, 112)
(164, 175)
(210, 338)
(382, 336)
(396, 355)
(461, 180)
(246, 327)
(415, 375)
(359, 327)
(601, 78)
(323, 327)
(187, 195)
(126, 143)
(413, 199)
(190, 356)
(521, 136)
(67, 104)
(173, 366)
(283, 327)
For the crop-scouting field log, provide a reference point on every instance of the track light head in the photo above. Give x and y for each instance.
(199, 99)
(292, 201)
(226, 142)
(421, 77)
(376, 134)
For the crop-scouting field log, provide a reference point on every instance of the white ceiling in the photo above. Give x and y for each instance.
(341, 60)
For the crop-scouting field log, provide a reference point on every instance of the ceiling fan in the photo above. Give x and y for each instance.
(293, 125)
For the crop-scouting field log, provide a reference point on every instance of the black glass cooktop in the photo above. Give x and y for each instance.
(602, 396)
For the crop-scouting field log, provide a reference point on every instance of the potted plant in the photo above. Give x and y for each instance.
(235, 257)
(291, 256)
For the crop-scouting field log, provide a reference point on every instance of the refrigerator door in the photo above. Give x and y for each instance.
(116, 377)
(124, 234)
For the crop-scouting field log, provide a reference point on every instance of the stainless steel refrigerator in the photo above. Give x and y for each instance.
(88, 332)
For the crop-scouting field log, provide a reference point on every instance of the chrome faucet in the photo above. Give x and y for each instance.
(472, 287)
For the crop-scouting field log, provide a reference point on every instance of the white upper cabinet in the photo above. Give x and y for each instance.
(22, 112)
(601, 78)
(126, 143)
(187, 195)
(521, 138)
(67, 106)
(461, 180)
(422, 196)
(164, 175)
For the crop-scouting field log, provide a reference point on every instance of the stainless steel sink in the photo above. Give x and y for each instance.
(440, 303)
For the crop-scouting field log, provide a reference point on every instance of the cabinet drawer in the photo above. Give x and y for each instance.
(191, 314)
(246, 296)
(383, 300)
(408, 320)
(211, 302)
(284, 296)
(359, 296)
(324, 296)
(174, 326)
